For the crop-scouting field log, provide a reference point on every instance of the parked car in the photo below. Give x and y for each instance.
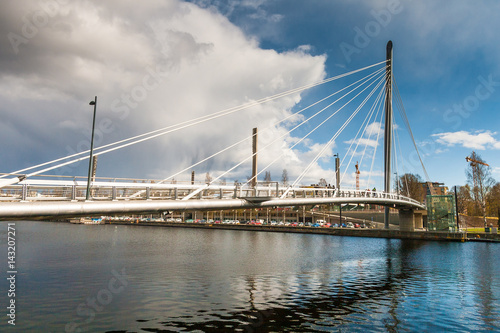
(316, 225)
(349, 225)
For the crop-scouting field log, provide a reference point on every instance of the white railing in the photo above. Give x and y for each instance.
(68, 190)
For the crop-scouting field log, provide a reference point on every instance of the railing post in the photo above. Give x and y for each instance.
(24, 192)
(220, 193)
(73, 193)
(113, 193)
(175, 193)
(148, 193)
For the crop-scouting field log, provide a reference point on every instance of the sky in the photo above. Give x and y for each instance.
(159, 63)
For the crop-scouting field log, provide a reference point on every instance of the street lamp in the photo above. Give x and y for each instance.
(94, 103)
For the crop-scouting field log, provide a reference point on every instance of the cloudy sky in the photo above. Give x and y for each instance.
(159, 63)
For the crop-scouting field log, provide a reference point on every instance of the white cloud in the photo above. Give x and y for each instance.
(480, 140)
(110, 50)
(370, 134)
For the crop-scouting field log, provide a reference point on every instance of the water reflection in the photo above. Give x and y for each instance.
(215, 280)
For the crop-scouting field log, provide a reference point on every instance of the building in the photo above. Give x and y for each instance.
(434, 188)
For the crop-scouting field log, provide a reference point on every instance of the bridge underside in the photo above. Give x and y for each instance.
(45, 210)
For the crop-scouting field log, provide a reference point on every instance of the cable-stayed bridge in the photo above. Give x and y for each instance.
(31, 193)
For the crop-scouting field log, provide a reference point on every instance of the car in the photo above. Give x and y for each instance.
(356, 225)
(274, 223)
(301, 224)
(326, 225)
(349, 225)
(316, 225)
(294, 224)
(335, 225)
(343, 225)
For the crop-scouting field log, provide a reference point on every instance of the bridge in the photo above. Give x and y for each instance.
(36, 195)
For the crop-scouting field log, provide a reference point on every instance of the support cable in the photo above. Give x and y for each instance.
(375, 150)
(364, 127)
(272, 142)
(185, 124)
(365, 79)
(314, 129)
(407, 123)
(331, 140)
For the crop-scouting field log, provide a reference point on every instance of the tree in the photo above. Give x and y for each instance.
(284, 177)
(267, 177)
(208, 178)
(493, 201)
(465, 204)
(479, 177)
(322, 182)
(411, 185)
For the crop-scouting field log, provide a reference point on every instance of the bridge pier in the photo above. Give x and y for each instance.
(410, 219)
(406, 220)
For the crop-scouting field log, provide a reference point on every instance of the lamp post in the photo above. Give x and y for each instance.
(94, 103)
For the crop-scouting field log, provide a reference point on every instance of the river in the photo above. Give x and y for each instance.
(107, 278)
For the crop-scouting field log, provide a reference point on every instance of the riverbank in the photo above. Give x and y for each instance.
(373, 233)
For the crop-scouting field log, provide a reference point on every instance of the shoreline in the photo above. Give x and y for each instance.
(371, 233)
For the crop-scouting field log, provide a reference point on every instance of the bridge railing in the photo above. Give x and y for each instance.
(102, 191)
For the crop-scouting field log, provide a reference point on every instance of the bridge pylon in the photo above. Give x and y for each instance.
(388, 128)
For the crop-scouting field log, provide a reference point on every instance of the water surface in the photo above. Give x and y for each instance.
(106, 278)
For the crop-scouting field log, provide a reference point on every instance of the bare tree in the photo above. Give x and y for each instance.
(479, 177)
(411, 185)
(208, 178)
(465, 204)
(284, 177)
(322, 182)
(493, 201)
(267, 177)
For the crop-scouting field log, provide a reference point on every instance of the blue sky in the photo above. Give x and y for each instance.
(189, 59)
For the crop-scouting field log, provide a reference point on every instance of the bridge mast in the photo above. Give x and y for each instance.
(388, 129)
